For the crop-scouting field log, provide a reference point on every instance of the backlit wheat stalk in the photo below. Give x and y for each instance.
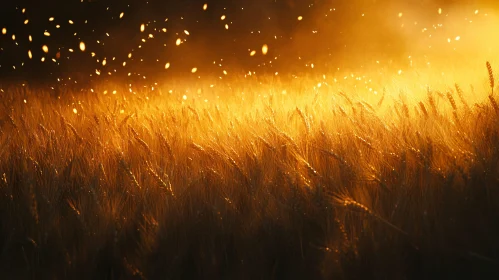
(491, 77)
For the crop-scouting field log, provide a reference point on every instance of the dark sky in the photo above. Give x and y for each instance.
(331, 29)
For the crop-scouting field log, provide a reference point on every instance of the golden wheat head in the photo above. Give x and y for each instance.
(491, 76)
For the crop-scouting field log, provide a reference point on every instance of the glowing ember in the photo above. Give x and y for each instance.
(265, 49)
(45, 49)
(82, 46)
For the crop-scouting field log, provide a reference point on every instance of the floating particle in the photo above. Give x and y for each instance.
(26, 21)
(223, 17)
(121, 15)
(205, 7)
(265, 49)
(46, 33)
(29, 54)
(142, 27)
(252, 53)
(184, 97)
(226, 26)
(186, 32)
(300, 17)
(75, 111)
(30, 38)
(194, 70)
(178, 42)
(439, 11)
(70, 22)
(130, 55)
(104, 62)
(167, 65)
(458, 38)
(51, 18)
(45, 49)
(400, 15)
(82, 46)
(4, 31)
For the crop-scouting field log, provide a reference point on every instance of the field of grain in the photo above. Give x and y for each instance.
(281, 181)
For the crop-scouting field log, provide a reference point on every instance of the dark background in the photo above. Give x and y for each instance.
(343, 36)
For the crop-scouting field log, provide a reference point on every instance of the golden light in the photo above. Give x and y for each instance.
(167, 65)
(194, 70)
(205, 7)
(51, 18)
(265, 49)
(45, 49)
(82, 46)
(300, 18)
(122, 14)
(46, 33)
(142, 27)
(4, 31)
(222, 17)
(29, 54)
(178, 42)
(252, 53)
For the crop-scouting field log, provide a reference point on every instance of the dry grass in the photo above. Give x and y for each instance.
(336, 187)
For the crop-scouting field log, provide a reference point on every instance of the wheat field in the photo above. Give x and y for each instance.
(310, 183)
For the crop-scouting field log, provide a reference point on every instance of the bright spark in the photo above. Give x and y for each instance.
(265, 49)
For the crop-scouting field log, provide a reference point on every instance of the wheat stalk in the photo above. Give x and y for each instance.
(304, 119)
(491, 77)
(423, 109)
(494, 104)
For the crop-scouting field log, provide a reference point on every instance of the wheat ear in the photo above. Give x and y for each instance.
(491, 77)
